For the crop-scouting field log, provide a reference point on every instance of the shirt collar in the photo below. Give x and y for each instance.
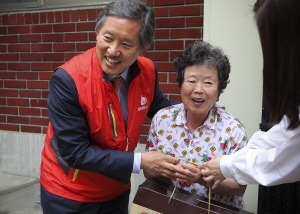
(124, 75)
(210, 122)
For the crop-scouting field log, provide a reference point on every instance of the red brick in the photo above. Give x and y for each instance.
(162, 33)
(3, 66)
(53, 57)
(39, 121)
(41, 66)
(35, 18)
(5, 19)
(18, 119)
(30, 93)
(7, 75)
(19, 29)
(44, 130)
(75, 37)
(92, 36)
(41, 47)
(1, 83)
(17, 102)
(169, 44)
(165, 66)
(8, 110)
(9, 57)
(84, 46)
(30, 111)
(169, 87)
(53, 37)
(145, 129)
(161, 11)
(168, 2)
(27, 75)
(30, 38)
(69, 56)
(45, 94)
(190, 41)
(172, 77)
(37, 84)
(13, 19)
(28, 18)
(50, 17)
(190, 10)
(157, 55)
(43, 17)
(9, 92)
(9, 127)
(3, 48)
(185, 33)
(175, 97)
(92, 14)
(69, 27)
(83, 15)
(194, 1)
(3, 119)
(85, 26)
(58, 16)
(30, 56)
(19, 66)
(66, 16)
(170, 22)
(162, 77)
(174, 54)
(143, 139)
(38, 103)
(75, 15)
(14, 84)
(45, 75)
(9, 39)
(194, 21)
(31, 129)
(63, 47)
(45, 112)
(56, 64)
(20, 19)
(41, 28)
(3, 30)
(19, 48)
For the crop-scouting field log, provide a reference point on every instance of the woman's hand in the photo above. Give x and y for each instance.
(211, 171)
(189, 173)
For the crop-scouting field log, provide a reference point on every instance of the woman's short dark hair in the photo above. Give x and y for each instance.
(278, 23)
(202, 53)
(137, 10)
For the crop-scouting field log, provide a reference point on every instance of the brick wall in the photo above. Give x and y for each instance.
(33, 44)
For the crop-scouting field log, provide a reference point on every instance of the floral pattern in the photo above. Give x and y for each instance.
(221, 133)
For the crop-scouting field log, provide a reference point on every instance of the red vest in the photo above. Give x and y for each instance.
(104, 115)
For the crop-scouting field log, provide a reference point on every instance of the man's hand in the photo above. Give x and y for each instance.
(212, 172)
(190, 173)
(160, 164)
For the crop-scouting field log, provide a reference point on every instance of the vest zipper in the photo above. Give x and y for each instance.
(113, 121)
(75, 175)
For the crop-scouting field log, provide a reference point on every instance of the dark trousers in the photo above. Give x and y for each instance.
(55, 204)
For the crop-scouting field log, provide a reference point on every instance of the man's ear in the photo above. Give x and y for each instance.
(144, 51)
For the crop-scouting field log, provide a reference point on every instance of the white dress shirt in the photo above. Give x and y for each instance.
(270, 158)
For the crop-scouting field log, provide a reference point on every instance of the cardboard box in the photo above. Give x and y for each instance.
(152, 198)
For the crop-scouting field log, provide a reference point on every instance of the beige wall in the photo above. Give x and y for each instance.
(230, 25)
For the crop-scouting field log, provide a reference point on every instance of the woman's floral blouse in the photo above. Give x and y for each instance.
(221, 133)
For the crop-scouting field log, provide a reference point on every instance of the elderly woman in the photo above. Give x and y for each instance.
(197, 130)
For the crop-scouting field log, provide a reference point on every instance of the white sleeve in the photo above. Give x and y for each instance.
(270, 158)
(137, 163)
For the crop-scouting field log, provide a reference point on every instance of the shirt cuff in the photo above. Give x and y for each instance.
(137, 163)
(226, 166)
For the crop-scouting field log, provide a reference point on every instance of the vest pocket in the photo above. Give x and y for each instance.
(112, 119)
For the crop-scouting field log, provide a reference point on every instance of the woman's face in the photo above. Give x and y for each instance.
(199, 91)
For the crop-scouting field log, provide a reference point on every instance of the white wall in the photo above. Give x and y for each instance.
(230, 24)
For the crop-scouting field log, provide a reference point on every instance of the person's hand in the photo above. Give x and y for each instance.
(189, 173)
(159, 164)
(212, 172)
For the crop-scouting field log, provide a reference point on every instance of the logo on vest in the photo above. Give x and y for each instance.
(143, 103)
